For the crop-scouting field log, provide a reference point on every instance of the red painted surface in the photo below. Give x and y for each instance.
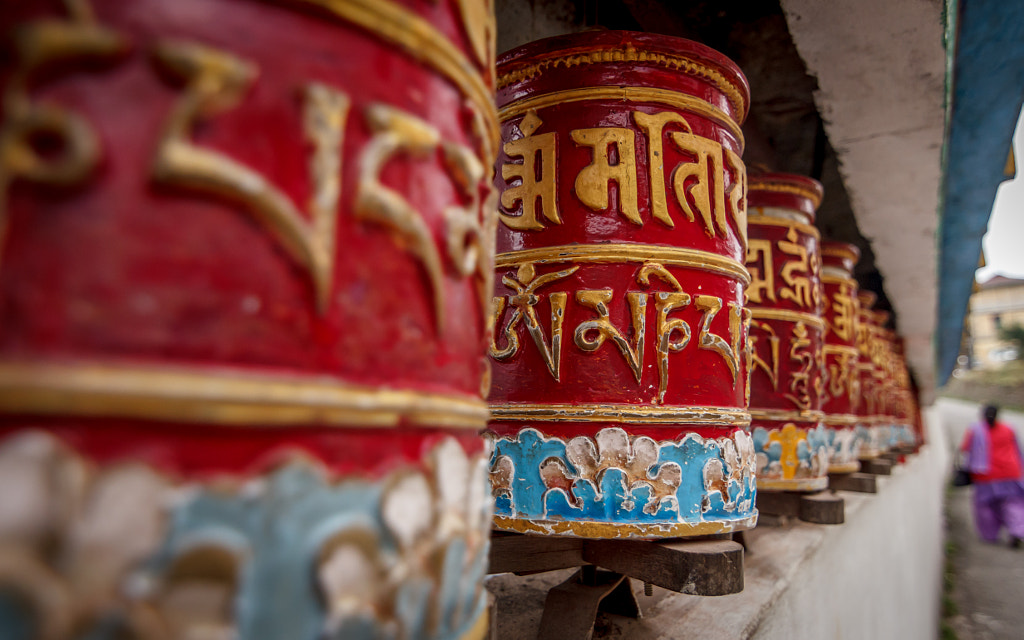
(838, 329)
(764, 394)
(120, 269)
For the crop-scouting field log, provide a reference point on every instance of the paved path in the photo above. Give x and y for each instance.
(989, 578)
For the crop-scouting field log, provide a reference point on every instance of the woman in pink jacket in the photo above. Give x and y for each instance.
(994, 461)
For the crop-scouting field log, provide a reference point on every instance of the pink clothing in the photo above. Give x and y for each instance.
(1004, 461)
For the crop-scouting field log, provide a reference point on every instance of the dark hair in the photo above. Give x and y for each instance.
(990, 412)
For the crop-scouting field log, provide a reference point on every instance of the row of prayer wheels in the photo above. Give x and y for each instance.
(254, 293)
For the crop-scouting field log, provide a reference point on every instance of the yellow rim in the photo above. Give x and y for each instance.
(227, 397)
(620, 413)
(616, 253)
(763, 313)
(625, 531)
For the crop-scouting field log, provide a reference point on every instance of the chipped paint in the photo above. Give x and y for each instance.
(792, 458)
(614, 485)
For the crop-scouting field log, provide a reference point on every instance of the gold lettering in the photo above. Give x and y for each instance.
(762, 279)
(844, 314)
(539, 158)
(216, 81)
(757, 362)
(653, 125)
(710, 306)
(737, 195)
(593, 180)
(800, 378)
(666, 303)
(526, 284)
(38, 45)
(598, 300)
(701, 179)
(795, 273)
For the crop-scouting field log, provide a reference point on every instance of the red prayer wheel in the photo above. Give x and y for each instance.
(882, 363)
(869, 430)
(244, 297)
(786, 333)
(620, 376)
(841, 384)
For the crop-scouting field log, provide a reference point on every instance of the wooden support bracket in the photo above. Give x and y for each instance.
(876, 466)
(571, 608)
(696, 567)
(705, 567)
(859, 482)
(824, 507)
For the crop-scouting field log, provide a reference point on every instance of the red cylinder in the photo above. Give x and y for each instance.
(841, 384)
(786, 333)
(869, 429)
(244, 286)
(619, 396)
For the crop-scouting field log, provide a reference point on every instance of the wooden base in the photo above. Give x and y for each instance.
(859, 482)
(876, 466)
(824, 507)
(892, 456)
(711, 566)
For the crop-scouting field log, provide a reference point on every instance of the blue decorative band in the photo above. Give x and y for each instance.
(618, 485)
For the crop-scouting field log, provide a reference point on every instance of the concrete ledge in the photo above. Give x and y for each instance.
(876, 576)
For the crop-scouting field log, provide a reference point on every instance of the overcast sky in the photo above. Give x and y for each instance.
(1004, 251)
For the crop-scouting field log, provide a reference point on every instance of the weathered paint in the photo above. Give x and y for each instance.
(690, 487)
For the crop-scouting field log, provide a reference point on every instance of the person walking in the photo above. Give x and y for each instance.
(994, 462)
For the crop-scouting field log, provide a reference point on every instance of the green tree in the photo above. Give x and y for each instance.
(1014, 333)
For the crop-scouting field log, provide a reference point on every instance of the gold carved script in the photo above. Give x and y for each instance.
(598, 299)
(536, 176)
(702, 181)
(38, 45)
(797, 273)
(757, 361)
(844, 314)
(762, 278)
(800, 378)
(593, 181)
(215, 82)
(526, 284)
(672, 334)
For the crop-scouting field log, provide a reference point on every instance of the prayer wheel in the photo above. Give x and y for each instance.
(882, 362)
(841, 385)
(786, 333)
(244, 295)
(620, 376)
(869, 430)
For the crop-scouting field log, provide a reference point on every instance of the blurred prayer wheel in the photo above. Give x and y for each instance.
(241, 345)
(869, 430)
(786, 333)
(841, 384)
(620, 380)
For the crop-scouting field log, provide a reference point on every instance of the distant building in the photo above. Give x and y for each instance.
(996, 303)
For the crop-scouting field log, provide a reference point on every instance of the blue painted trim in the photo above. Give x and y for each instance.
(987, 89)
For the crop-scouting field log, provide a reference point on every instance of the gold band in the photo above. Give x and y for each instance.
(841, 252)
(780, 222)
(829, 278)
(629, 53)
(795, 484)
(763, 313)
(669, 256)
(838, 348)
(778, 415)
(840, 419)
(233, 398)
(755, 184)
(479, 629)
(629, 413)
(624, 531)
(666, 97)
(844, 467)
(419, 39)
